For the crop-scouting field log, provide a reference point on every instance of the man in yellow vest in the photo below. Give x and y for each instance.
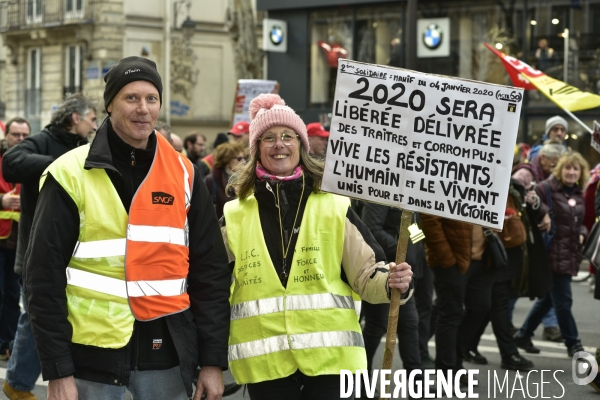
(17, 129)
(128, 285)
(70, 126)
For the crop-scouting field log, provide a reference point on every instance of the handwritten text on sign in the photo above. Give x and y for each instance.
(428, 143)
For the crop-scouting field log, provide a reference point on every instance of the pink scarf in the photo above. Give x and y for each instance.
(265, 176)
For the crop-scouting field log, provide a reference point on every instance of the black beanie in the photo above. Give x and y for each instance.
(127, 70)
(221, 138)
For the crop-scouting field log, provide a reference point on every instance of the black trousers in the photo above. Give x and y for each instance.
(449, 289)
(376, 320)
(479, 281)
(424, 302)
(297, 387)
(500, 321)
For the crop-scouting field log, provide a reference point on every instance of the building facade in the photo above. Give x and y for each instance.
(55, 47)
(320, 31)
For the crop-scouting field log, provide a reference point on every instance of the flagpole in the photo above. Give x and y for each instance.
(578, 120)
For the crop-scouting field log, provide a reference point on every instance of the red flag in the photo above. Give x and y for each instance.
(515, 68)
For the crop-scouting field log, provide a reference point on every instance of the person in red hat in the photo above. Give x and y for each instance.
(240, 133)
(317, 137)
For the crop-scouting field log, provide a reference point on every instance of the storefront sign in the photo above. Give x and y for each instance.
(427, 143)
(274, 35)
(433, 37)
(246, 90)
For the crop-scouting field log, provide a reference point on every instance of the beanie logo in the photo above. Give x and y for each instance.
(162, 198)
(131, 71)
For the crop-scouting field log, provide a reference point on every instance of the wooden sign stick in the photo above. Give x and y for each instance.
(390, 339)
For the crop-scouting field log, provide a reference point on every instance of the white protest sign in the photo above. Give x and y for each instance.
(428, 143)
(596, 137)
(246, 90)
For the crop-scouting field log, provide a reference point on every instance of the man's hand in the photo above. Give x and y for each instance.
(11, 201)
(581, 239)
(210, 380)
(400, 276)
(546, 223)
(532, 198)
(62, 389)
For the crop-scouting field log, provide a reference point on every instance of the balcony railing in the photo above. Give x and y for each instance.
(22, 14)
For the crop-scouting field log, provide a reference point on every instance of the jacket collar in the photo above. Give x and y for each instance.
(60, 135)
(266, 189)
(100, 154)
(557, 186)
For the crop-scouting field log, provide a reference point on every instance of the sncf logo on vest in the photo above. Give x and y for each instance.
(162, 198)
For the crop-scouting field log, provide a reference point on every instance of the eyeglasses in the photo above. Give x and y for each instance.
(270, 139)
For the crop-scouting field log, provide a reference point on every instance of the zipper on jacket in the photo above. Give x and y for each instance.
(132, 157)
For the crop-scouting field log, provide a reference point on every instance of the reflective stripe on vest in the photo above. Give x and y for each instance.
(295, 342)
(298, 302)
(116, 247)
(120, 288)
(151, 242)
(10, 215)
(311, 324)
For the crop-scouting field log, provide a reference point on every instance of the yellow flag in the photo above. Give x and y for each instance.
(562, 94)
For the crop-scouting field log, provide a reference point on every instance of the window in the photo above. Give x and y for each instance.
(560, 19)
(370, 34)
(33, 92)
(34, 11)
(379, 35)
(530, 28)
(73, 64)
(73, 9)
(595, 19)
(331, 38)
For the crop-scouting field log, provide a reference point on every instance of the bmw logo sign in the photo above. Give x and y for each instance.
(432, 37)
(276, 35)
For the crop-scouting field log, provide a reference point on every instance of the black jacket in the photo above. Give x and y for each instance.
(197, 336)
(25, 163)
(529, 270)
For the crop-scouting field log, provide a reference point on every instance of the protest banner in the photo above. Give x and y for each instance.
(422, 142)
(246, 90)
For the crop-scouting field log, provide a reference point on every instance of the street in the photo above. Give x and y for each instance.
(553, 359)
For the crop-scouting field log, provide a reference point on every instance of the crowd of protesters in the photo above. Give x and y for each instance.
(147, 263)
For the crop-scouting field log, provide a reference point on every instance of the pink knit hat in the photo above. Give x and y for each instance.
(269, 110)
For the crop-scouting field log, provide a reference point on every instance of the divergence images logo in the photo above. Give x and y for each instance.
(432, 37)
(276, 35)
(585, 368)
(162, 198)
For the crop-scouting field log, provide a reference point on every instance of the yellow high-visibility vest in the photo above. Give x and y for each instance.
(101, 293)
(311, 324)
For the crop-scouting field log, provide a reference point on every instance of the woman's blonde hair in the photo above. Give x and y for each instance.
(572, 158)
(243, 181)
(227, 152)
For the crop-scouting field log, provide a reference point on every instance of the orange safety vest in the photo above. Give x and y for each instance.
(153, 238)
(7, 216)
(157, 235)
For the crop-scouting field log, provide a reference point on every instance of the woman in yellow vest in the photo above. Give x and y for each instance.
(299, 254)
